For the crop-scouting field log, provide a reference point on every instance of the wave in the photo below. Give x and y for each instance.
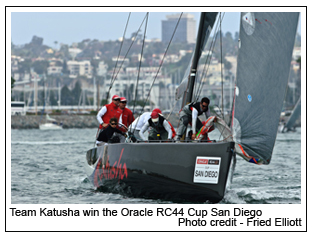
(48, 142)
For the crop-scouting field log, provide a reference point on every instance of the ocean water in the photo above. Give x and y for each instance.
(47, 167)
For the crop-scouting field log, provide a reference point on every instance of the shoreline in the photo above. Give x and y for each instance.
(73, 121)
(69, 121)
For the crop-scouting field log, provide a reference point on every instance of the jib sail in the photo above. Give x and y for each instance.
(265, 52)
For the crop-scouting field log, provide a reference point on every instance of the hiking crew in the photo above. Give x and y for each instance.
(160, 129)
(109, 111)
(127, 115)
(189, 115)
(106, 134)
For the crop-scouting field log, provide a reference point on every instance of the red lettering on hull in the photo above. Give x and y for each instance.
(116, 171)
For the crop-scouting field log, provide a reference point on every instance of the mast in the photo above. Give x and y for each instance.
(94, 94)
(59, 96)
(206, 23)
(36, 93)
(189, 93)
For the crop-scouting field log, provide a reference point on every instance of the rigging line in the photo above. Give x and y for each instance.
(205, 65)
(162, 59)
(205, 71)
(112, 82)
(222, 78)
(136, 89)
(172, 109)
(196, 81)
(221, 132)
(222, 106)
(222, 111)
(175, 29)
(123, 38)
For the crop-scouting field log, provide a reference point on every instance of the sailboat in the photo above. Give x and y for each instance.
(199, 171)
(290, 125)
(50, 124)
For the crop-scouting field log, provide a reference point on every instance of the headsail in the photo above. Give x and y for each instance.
(49, 118)
(207, 21)
(265, 52)
(294, 115)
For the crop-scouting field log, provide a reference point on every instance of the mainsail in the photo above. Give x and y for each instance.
(207, 21)
(265, 52)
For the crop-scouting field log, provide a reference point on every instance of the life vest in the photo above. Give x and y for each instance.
(196, 105)
(159, 125)
(127, 117)
(112, 111)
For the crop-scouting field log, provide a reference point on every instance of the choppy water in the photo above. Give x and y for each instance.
(48, 167)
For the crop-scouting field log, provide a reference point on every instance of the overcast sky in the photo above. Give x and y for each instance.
(69, 27)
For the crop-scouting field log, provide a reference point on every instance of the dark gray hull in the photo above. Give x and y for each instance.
(161, 170)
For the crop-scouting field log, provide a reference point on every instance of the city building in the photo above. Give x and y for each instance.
(14, 63)
(102, 69)
(54, 70)
(125, 85)
(81, 68)
(186, 31)
(144, 71)
(55, 66)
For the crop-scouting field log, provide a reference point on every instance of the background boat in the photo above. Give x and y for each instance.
(289, 121)
(50, 124)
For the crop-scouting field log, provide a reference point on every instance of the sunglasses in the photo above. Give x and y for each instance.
(123, 102)
(113, 123)
(117, 99)
(205, 106)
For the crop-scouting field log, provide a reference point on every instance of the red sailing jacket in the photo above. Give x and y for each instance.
(112, 111)
(127, 117)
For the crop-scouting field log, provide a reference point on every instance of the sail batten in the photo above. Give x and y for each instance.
(266, 45)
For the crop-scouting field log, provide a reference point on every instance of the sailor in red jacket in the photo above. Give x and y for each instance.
(127, 115)
(109, 111)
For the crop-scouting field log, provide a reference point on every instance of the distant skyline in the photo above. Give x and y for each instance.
(70, 27)
(73, 27)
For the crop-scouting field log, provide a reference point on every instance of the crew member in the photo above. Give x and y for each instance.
(189, 114)
(127, 115)
(109, 111)
(138, 123)
(160, 128)
(106, 134)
